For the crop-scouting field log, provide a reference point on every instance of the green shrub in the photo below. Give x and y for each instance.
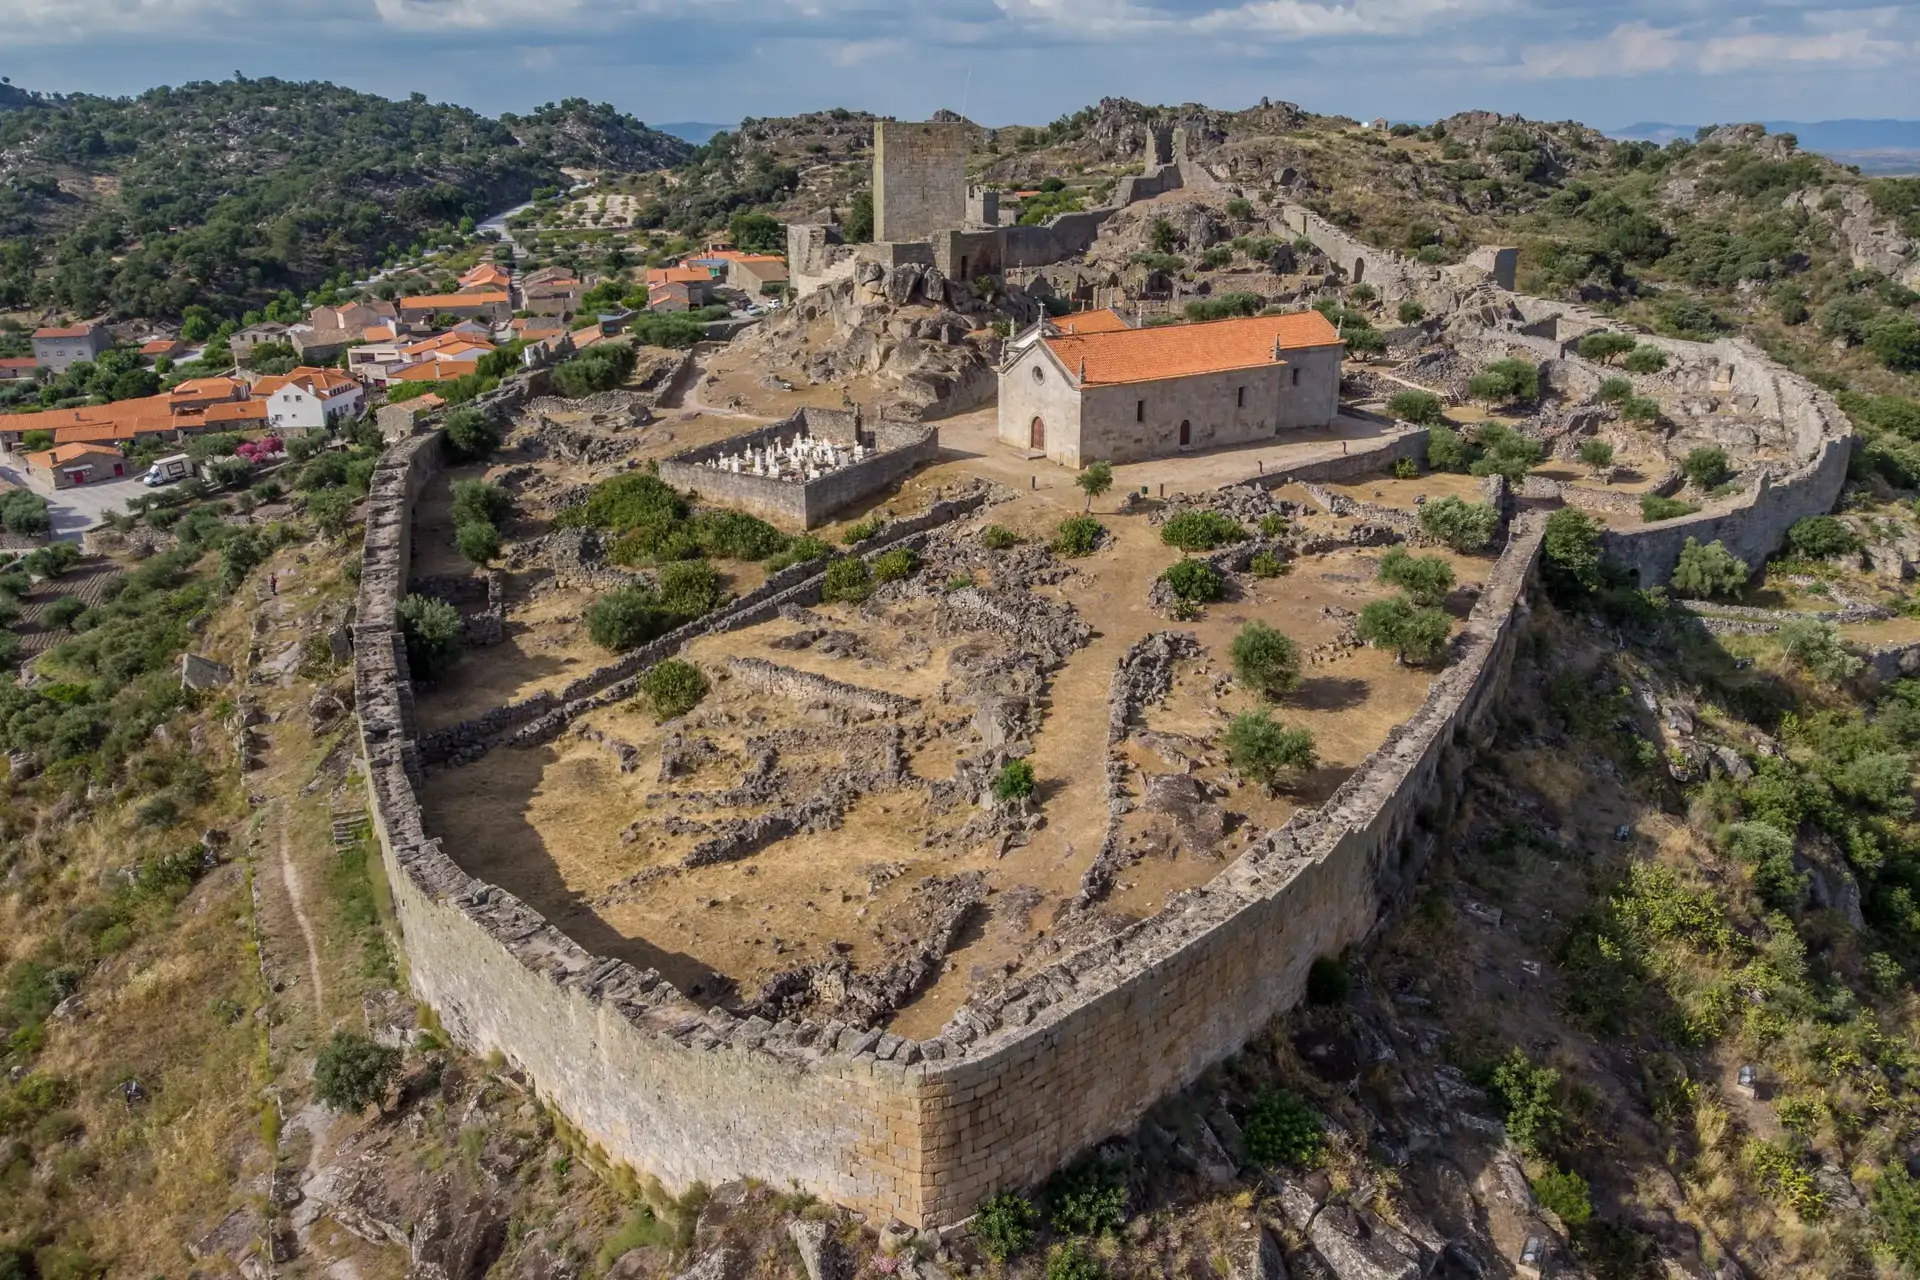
(626, 502)
(1604, 346)
(1078, 536)
(734, 535)
(690, 588)
(431, 629)
(1465, 527)
(62, 612)
(1068, 1260)
(1328, 981)
(1707, 571)
(1815, 647)
(1199, 529)
(324, 472)
(1821, 538)
(1505, 452)
(860, 532)
(627, 618)
(1411, 312)
(1192, 581)
(1259, 747)
(1265, 660)
(1615, 390)
(1896, 1216)
(1446, 451)
(673, 688)
(1088, 1198)
(997, 537)
(1273, 525)
(601, 367)
(1653, 507)
(1597, 454)
(23, 511)
(1641, 409)
(1527, 1098)
(1506, 382)
(1283, 1130)
(1564, 1194)
(1004, 1225)
(847, 581)
(1265, 564)
(1406, 469)
(1094, 479)
(476, 501)
(1415, 635)
(1426, 579)
(800, 550)
(1645, 360)
(352, 1072)
(470, 434)
(894, 565)
(478, 540)
(1014, 781)
(1422, 407)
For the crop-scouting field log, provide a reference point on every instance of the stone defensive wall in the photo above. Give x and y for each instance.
(899, 447)
(1016, 1084)
(1485, 319)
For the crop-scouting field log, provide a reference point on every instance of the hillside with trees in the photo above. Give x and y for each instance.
(224, 194)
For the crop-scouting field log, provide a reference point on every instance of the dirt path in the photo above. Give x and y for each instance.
(290, 877)
(690, 401)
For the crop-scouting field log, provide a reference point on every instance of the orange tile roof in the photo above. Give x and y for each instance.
(19, 362)
(237, 411)
(1181, 350)
(108, 432)
(70, 331)
(427, 401)
(443, 342)
(218, 387)
(541, 335)
(67, 452)
(379, 333)
(1105, 320)
(321, 382)
(679, 275)
(448, 301)
(484, 273)
(159, 346)
(436, 371)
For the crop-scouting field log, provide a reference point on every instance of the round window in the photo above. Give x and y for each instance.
(1039, 375)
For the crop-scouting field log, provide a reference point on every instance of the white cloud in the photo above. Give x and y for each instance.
(1361, 17)
(1639, 48)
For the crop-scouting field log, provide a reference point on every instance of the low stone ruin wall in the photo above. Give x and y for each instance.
(1364, 458)
(900, 447)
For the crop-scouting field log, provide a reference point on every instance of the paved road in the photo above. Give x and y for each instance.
(78, 509)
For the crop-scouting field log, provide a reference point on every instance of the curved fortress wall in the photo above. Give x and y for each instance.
(1012, 1088)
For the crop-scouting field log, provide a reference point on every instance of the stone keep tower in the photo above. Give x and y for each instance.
(919, 180)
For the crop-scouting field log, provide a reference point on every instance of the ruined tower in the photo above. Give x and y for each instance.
(919, 180)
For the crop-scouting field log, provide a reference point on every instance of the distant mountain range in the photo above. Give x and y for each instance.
(1877, 146)
(695, 131)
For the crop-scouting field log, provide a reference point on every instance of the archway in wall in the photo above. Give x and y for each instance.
(1359, 270)
(1037, 434)
(1186, 433)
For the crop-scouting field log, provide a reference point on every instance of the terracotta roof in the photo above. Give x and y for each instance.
(108, 432)
(70, 331)
(324, 383)
(19, 362)
(427, 401)
(436, 371)
(540, 335)
(443, 342)
(379, 333)
(679, 275)
(159, 346)
(1181, 350)
(237, 411)
(1105, 320)
(484, 273)
(218, 387)
(447, 301)
(64, 453)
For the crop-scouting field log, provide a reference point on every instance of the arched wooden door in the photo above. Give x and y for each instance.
(1186, 433)
(1037, 434)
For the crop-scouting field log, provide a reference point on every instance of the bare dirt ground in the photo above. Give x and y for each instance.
(592, 847)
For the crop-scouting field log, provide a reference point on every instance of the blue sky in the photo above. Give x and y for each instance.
(1008, 61)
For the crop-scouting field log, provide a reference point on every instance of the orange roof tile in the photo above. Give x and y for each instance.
(448, 301)
(1105, 320)
(379, 333)
(107, 432)
(19, 362)
(69, 331)
(159, 346)
(237, 411)
(1181, 350)
(66, 453)
(679, 275)
(436, 371)
(218, 387)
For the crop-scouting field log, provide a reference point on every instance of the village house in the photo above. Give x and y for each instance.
(162, 349)
(67, 465)
(433, 371)
(757, 274)
(18, 369)
(353, 315)
(321, 346)
(310, 399)
(490, 305)
(484, 277)
(193, 396)
(59, 349)
(684, 287)
(267, 332)
(1124, 394)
